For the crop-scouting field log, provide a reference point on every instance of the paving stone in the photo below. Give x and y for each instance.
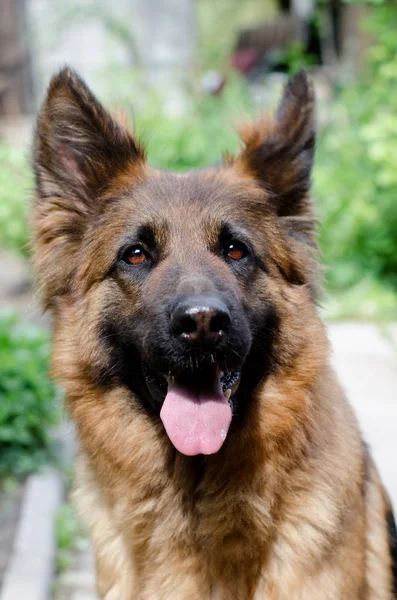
(367, 368)
(84, 580)
(30, 570)
(84, 596)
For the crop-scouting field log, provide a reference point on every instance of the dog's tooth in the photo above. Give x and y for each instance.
(227, 394)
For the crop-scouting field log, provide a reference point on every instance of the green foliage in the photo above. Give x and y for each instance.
(296, 58)
(355, 176)
(366, 2)
(28, 404)
(69, 535)
(367, 300)
(201, 136)
(356, 169)
(15, 183)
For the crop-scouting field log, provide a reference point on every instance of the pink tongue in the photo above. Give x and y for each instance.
(197, 420)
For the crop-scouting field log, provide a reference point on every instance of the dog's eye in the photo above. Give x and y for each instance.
(135, 255)
(235, 250)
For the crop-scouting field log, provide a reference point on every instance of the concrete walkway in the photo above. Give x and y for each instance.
(366, 363)
(367, 367)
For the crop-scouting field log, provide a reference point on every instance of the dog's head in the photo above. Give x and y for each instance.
(187, 289)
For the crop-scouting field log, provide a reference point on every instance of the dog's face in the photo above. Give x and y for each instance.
(175, 285)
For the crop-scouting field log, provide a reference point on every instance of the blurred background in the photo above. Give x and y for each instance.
(186, 72)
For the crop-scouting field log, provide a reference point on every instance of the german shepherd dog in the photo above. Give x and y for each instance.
(219, 458)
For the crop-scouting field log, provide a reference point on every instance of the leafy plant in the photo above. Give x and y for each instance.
(28, 399)
(69, 535)
(201, 136)
(15, 184)
(295, 57)
(355, 176)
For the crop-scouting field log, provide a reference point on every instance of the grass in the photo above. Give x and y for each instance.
(70, 535)
(368, 300)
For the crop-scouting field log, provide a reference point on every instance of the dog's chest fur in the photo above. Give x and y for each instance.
(218, 526)
(190, 529)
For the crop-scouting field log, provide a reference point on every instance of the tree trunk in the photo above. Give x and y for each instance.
(15, 72)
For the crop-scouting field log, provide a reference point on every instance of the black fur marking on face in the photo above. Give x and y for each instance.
(126, 367)
(391, 525)
(125, 359)
(145, 234)
(262, 359)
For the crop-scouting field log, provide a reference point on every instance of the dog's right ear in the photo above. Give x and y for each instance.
(78, 150)
(78, 146)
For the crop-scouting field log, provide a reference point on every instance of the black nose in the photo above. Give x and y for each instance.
(200, 320)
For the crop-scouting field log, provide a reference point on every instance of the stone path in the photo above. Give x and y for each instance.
(366, 363)
(367, 367)
(10, 504)
(77, 583)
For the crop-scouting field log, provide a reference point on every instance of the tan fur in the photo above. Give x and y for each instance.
(293, 514)
(291, 507)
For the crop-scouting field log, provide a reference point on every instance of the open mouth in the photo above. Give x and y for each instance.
(197, 406)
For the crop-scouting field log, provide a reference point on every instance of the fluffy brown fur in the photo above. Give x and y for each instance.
(291, 507)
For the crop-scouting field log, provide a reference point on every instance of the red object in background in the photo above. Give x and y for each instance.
(244, 60)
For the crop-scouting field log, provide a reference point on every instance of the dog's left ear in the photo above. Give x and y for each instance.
(279, 151)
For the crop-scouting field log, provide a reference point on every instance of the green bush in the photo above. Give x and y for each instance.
(356, 168)
(69, 536)
(28, 399)
(201, 135)
(15, 187)
(355, 175)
